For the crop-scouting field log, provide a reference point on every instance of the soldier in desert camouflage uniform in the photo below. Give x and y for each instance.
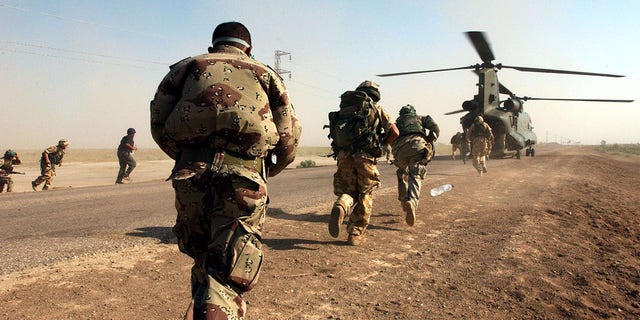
(9, 159)
(357, 176)
(227, 121)
(456, 143)
(386, 151)
(464, 147)
(51, 157)
(459, 141)
(480, 141)
(413, 150)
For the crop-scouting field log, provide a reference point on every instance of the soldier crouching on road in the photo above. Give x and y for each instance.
(51, 157)
(413, 150)
(227, 121)
(10, 159)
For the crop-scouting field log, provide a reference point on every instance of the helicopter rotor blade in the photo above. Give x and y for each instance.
(423, 71)
(479, 42)
(525, 98)
(543, 70)
(504, 90)
(454, 112)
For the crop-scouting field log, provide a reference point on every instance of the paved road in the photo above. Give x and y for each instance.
(39, 228)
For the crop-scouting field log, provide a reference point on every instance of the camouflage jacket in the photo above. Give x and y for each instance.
(227, 101)
(55, 155)
(479, 131)
(6, 168)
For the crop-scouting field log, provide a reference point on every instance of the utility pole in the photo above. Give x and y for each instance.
(279, 70)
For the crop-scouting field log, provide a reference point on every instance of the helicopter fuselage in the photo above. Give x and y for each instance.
(512, 129)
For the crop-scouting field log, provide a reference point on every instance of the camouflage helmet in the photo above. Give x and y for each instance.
(408, 109)
(63, 143)
(131, 131)
(10, 153)
(478, 120)
(371, 88)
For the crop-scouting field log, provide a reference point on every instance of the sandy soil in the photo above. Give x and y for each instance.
(551, 237)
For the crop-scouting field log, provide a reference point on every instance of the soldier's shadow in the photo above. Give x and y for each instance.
(277, 213)
(163, 234)
(314, 217)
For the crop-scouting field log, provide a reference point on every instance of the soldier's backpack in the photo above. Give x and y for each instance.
(355, 127)
(410, 124)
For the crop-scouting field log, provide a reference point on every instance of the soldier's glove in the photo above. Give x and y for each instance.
(431, 138)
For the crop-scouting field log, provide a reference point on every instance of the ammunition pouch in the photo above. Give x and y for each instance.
(235, 255)
(429, 153)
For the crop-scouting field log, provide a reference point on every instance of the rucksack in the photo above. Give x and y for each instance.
(355, 127)
(410, 124)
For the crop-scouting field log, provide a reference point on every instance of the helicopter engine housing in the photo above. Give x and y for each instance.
(513, 105)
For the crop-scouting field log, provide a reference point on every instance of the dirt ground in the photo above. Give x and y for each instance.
(551, 237)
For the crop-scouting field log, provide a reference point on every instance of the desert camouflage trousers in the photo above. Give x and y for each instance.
(357, 177)
(412, 156)
(5, 180)
(480, 149)
(205, 206)
(47, 174)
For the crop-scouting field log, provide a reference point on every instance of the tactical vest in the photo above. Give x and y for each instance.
(56, 157)
(356, 126)
(410, 124)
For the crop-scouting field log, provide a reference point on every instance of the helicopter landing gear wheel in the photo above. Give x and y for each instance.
(518, 154)
(530, 152)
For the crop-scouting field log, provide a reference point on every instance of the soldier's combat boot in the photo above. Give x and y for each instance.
(34, 185)
(410, 211)
(355, 239)
(340, 210)
(335, 221)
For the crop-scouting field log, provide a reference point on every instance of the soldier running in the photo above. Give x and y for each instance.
(480, 140)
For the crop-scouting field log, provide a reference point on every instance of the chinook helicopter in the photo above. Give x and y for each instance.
(512, 127)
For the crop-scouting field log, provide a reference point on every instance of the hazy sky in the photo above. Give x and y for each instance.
(86, 70)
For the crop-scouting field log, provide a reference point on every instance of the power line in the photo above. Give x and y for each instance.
(80, 21)
(42, 54)
(23, 44)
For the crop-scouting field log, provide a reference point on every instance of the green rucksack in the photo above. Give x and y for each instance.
(356, 126)
(410, 124)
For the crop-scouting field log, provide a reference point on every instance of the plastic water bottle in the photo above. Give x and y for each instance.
(441, 189)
